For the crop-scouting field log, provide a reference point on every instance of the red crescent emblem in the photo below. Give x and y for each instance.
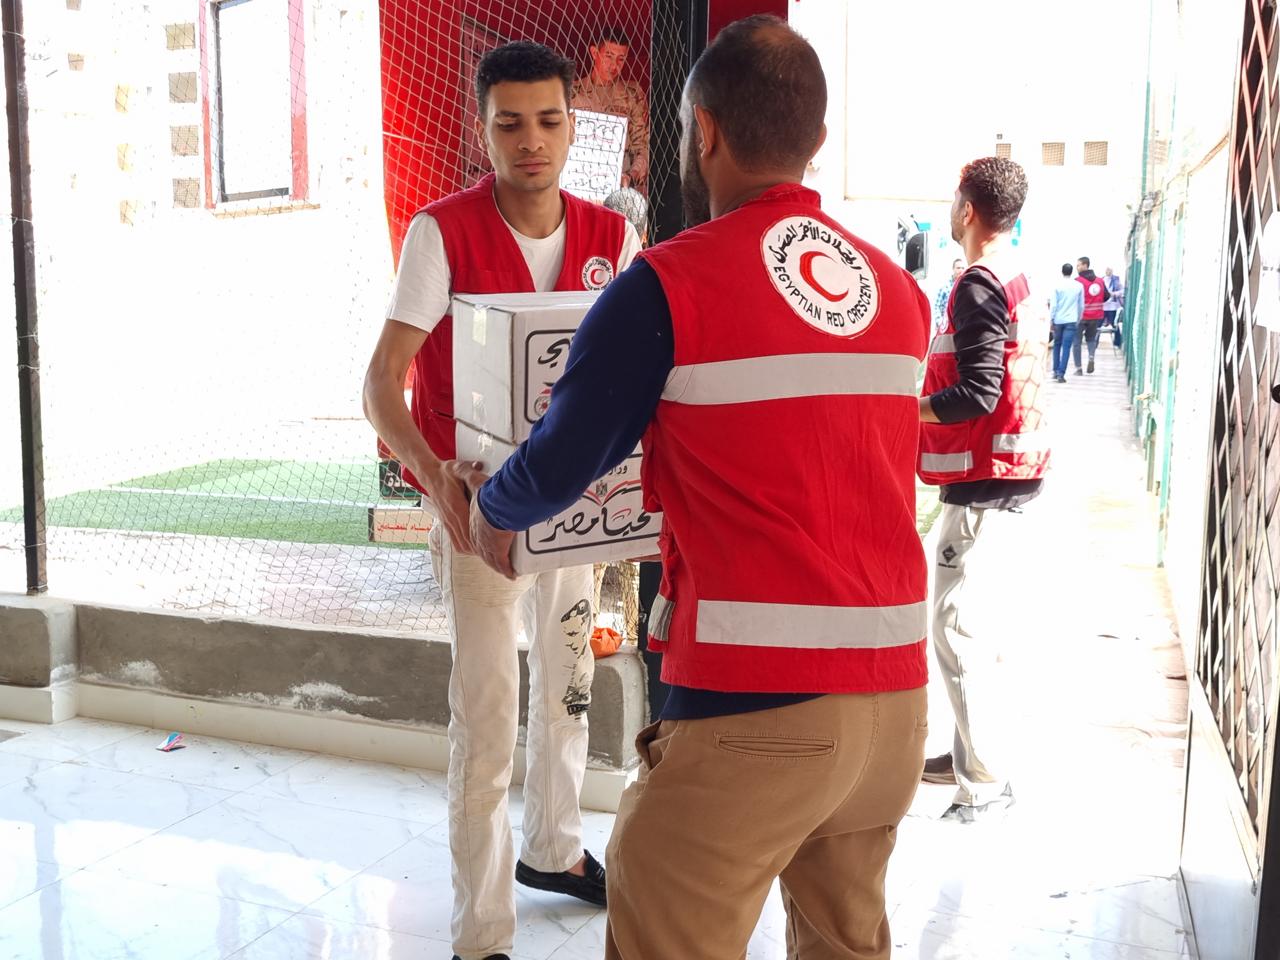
(806, 271)
(598, 276)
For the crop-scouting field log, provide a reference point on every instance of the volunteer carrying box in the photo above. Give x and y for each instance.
(508, 352)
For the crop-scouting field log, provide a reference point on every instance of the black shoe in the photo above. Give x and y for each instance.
(1079, 372)
(939, 770)
(1090, 367)
(983, 812)
(492, 956)
(589, 888)
(1060, 379)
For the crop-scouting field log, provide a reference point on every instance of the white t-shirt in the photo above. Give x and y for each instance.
(422, 290)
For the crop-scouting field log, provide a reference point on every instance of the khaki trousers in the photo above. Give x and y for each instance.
(811, 793)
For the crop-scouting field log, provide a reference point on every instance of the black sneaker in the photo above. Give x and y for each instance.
(1079, 372)
(1090, 367)
(983, 812)
(589, 888)
(939, 770)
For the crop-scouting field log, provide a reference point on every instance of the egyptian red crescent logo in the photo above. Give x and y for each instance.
(596, 273)
(846, 301)
(806, 273)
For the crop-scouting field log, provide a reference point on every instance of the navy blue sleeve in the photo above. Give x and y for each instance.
(618, 365)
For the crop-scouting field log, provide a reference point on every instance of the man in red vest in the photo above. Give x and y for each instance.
(514, 232)
(770, 369)
(1095, 299)
(983, 443)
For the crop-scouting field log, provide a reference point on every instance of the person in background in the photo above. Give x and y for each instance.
(513, 232)
(1095, 297)
(1065, 310)
(1114, 307)
(944, 294)
(984, 444)
(604, 91)
(632, 205)
(792, 741)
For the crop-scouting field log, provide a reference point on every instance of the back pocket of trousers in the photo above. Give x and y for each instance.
(775, 748)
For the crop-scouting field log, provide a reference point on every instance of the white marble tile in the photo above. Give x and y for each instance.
(93, 917)
(305, 937)
(69, 740)
(206, 761)
(73, 815)
(923, 935)
(409, 892)
(21, 876)
(1139, 912)
(16, 766)
(406, 793)
(588, 942)
(279, 853)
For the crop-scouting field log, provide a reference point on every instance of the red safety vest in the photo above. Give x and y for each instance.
(1010, 443)
(485, 258)
(1095, 295)
(782, 455)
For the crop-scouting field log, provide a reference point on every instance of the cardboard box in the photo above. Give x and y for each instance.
(508, 351)
(607, 523)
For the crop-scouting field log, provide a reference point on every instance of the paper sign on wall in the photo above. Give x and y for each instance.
(594, 168)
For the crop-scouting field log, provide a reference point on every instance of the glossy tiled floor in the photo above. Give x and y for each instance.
(110, 849)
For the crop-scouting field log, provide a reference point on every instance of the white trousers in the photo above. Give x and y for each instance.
(977, 554)
(487, 614)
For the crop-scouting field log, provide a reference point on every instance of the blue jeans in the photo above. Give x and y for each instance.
(1063, 335)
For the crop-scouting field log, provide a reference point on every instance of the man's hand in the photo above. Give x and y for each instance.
(449, 495)
(492, 545)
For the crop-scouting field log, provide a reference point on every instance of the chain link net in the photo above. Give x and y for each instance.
(221, 190)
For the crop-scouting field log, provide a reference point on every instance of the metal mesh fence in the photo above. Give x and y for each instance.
(220, 193)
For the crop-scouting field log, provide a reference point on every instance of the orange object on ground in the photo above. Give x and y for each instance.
(605, 642)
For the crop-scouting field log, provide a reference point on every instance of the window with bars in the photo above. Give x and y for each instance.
(1095, 153)
(1053, 154)
(1004, 150)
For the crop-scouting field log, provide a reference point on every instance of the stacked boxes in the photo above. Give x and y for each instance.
(508, 352)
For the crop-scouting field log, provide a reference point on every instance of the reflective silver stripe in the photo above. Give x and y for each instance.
(1034, 441)
(793, 375)
(946, 462)
(660, 617)
(946, 343)
(797, 626)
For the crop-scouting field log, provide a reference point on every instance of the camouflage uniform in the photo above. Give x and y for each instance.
(622, 98)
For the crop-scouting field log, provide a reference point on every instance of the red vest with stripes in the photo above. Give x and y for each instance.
(1095, 296)
(485, 258)
(782, 455)
(1010, 443)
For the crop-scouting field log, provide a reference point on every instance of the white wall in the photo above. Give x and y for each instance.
(917, 90)
(191, 335)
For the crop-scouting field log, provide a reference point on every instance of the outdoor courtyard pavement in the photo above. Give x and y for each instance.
(110, 849)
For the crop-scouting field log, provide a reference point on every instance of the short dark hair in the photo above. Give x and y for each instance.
(997, 188)
(1085, 261)
(610, 34)
(957, 262)
(764, 84)
(1066, 269)
(522, 62)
